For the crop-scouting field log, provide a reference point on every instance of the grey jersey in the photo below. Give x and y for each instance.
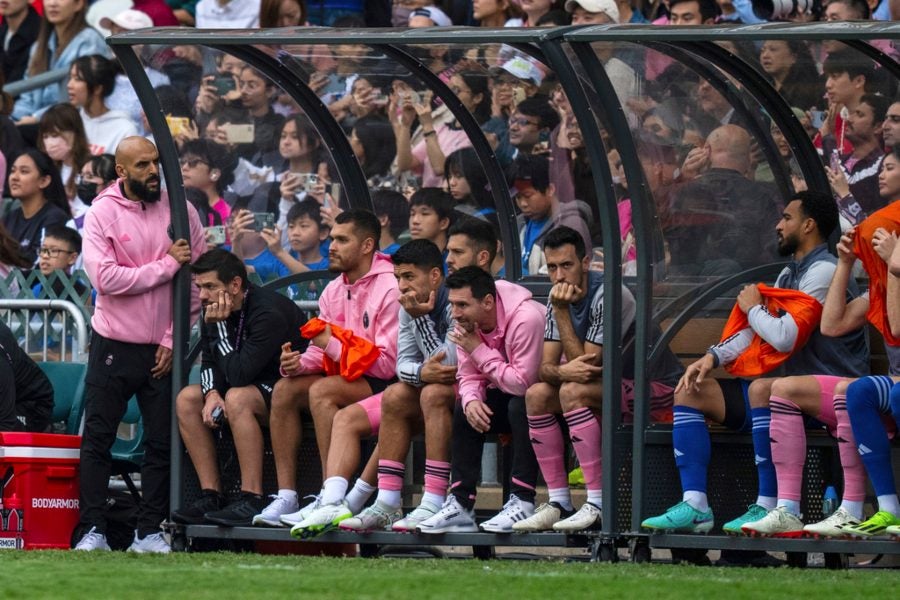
(587, 315)
(421, 338)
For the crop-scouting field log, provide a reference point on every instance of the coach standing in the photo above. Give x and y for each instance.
(131, 260)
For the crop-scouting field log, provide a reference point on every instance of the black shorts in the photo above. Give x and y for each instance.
(737, 404)
(265, 388)
(378, 385)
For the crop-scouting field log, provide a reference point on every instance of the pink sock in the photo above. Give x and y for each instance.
(854, 472)
(584, 431)
(437, 477)
(547, 441)
(788, 447)
(390, 475)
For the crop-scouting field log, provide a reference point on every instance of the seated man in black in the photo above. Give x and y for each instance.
(26, 396)
(241, 336)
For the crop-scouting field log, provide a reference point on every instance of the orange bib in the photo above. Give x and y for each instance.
(357, 353)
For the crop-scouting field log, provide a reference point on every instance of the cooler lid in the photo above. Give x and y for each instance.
(42, 440)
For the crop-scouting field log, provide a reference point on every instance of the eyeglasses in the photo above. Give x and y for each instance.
(192, 163)
(53, 252)
(521, 122)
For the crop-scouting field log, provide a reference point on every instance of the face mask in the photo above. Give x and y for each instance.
(86, 191)
(56, 147)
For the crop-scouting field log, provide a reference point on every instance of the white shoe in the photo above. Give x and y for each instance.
(587, 517)
(831, 526)
(293, 518)
(513, 511)
(323, 519)
(452, 518)
(277, 508)
(408, 524)
(778, 522)
(155, 543)
(93, 540)
(378, 517)
(543, 518)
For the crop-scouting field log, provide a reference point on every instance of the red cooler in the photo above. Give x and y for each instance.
(39, 482)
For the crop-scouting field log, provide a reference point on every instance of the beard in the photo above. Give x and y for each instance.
(787, 246)
(143, 192)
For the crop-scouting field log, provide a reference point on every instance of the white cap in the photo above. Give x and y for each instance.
(128, 19)
(522, 68)
(608, 7)
(437, 16)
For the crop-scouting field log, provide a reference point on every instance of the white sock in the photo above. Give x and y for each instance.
(432, 498)
(561, 496)
(392, 498)
(358, 496)
(595, 497)
(333, 490)
(792, 506)
(889, 503)
(697, 500)
(767, 502)
(289, 495)
(854, 507)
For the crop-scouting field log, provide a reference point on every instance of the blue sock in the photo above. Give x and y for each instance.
(867, 399)
(690, 439)
(762, 447)
(895, 404)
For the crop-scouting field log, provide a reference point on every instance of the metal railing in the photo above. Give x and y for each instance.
(58, 320)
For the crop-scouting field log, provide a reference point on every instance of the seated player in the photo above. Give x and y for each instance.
(498, 333)
(573, 388)
(241, 335)
(361, 301)
(780, 328)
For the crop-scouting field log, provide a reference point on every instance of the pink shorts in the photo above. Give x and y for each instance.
(826, 416)
(661, 398)
(372, 406)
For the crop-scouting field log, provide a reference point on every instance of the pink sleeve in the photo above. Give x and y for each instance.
(386, 326)
(472, 383)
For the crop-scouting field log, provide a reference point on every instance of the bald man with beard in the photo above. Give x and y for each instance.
(131, 261)
(722, 222)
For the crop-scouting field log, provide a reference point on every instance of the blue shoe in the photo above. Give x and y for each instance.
(755, 512)
(681, 518)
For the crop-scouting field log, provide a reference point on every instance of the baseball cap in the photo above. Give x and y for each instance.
(521, 68)
(595, 6)
(437, 16)
(129, 19)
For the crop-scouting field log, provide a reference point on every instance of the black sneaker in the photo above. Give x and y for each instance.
(239, 513)
(193, 515)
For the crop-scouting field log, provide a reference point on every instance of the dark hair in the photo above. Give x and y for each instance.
(802, 86)
(538, 106)
(64, 117)
(477, 82)
(464, 163)
(554, 17)
(226, 265)
(709, 9)
(104, 166)
(394, 205)
(10, 250)
(477, 279)
(308, 207)
(365, 223)
(349, 22)
(481, 234)
(41, 56)
(305, 130)
(198, 199)
(821, 208)
(379, 145)
(879, 104)
(561, 236)
(860, 7)
(214, 155)
(530, 167)
(66, 234)
(269, 9)
(435, 198)
(54, 193)
(850, 62)
(421, 253)
(173, 101)
(96, 71)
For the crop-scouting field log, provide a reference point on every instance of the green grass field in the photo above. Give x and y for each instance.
(70, 575)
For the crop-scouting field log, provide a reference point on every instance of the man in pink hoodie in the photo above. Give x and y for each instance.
(499, 335)
(131, 260)
(362, 299)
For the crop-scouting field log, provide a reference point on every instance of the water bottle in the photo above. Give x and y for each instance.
(829, 501)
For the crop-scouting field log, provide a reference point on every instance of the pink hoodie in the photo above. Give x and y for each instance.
(126, 247)
(510, 356)
(368, 308)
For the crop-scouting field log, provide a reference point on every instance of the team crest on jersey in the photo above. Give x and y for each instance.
(109, 360)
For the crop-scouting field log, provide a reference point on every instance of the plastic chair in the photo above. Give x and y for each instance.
(67, 380)
(128, 454)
